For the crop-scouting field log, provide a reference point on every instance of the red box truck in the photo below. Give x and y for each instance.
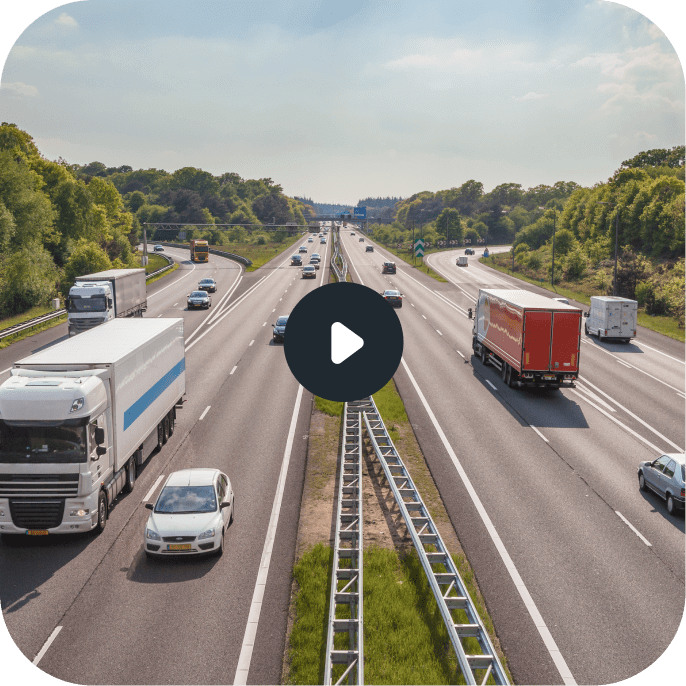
(533, 340)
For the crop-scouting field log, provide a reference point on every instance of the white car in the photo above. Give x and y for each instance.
(191, 514)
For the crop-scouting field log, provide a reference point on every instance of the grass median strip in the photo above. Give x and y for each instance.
(405, 639)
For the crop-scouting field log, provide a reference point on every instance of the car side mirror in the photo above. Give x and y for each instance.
(101, 450)
(273, 325)
(149, 506)
(109, 302)
(469, 313)
(223, 506)
(99, 435)
(586, 314)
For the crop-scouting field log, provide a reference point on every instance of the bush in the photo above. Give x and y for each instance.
(27, 279)
(643, 290)
(534, 261)
(576, 264)
(87, 258)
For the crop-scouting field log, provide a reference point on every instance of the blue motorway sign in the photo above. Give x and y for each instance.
(360, 212)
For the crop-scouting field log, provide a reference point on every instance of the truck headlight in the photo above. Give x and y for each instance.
(81, 512)
(152, 535)
(206, 534)
(77, 404)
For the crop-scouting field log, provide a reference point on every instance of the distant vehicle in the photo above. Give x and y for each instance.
(611, 318)
(199, 299)
(352, 233)
(200, 251)
(280, 329)
(303, 248)
(369, 248)
(191, 514)
(158, 248)
(665, 476)
(296, 260)
(533, 340)
(388, 268)
(317, 255)
(72, 440)
(562, 300)
(310, 239)
(309, 272)
(322, 241)
(361, 239)
(462, 261)
(321, 235)
(98, 298)
(209, 285)
(486, 253)
(469, 251)
(314, 261)
(394, 298)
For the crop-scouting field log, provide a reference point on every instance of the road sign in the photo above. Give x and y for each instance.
(360, 212)
(419, 247)
(467, 240)
(182, 235)
(400, 245)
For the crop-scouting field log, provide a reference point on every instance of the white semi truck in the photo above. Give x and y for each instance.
(78, 418)
(98, 298)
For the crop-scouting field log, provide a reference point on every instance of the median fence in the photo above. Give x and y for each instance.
(338, 262)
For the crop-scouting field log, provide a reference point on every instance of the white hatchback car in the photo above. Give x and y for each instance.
(192, 512)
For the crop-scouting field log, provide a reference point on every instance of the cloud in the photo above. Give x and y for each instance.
(531, 96)
(643, 137)
(21, 89)
(66, 20)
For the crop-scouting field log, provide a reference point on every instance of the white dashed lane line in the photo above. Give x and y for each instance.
(251, 342)
(46, 645)
(633, 528)
(491, 385)
(540, 434)
(233, 370)
(207, 409)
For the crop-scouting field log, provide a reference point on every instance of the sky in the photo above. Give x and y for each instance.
(341, 101)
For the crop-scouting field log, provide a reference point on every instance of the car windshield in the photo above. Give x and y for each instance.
(198, 294)
(94, 304)
(35, 443)
(392, 293)
(187, 500)
(281, 321)
(308, 269)
(206, 282)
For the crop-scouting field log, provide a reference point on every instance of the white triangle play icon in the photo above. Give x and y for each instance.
(344, 343)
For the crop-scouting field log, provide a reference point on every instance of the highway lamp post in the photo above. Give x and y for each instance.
(614, 277)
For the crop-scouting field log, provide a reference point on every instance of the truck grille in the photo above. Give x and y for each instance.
(36, 514)
(84, 323)
(37, 485)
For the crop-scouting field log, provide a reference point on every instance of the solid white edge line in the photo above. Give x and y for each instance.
(643, 345)
(202, 416)
(529, 603)
(591, 394)
(491, 385)
(153, 488)
(245, 656)
(539, 433)
(631, 414)
(188, 273)
(616, 421)
(47, 644)
(628, 366)
(633, 528)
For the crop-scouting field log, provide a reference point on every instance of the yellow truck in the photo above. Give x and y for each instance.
(200, 251)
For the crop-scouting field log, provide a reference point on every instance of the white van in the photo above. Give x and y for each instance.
(462, 261)
(612, 318)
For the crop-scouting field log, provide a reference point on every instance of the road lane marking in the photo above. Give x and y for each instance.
(491, 385)
(175, 304)
(158, 316)
(631, 414)
(251, 342)
(233, 370)
(188, 273)
(633, 528)
(274, 310)
(438, 332)
(265, 324)
(46, 645)
(539, 433)
(529, 603)
(148, 495)
(681, 395)
(412, 304)
(596, 398)
(245, 656)
(628, 366)
(423, 316)
(202, 416)
(460, 354)
(676, 359)
(280, 299)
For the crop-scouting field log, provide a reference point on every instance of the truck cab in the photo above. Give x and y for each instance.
(88, 305)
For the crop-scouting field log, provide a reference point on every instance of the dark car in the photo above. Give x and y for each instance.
(369, 248)
(469, 251)
(352, 233)
(361, 239)
(310, 272)
(158, 248)
(199, 299)
(665, 476)
(280, 329)
(209, 285)
(393, 298)
(296, 260)
(388, 268)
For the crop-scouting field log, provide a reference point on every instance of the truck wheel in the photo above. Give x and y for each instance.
(131, 470)
(102, 513)
(172, 420)
(503, 372)
(160, 436)
(484, 358)
(586, 329)
(165, 429)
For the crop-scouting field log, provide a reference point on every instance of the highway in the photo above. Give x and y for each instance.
(126, 620)
(541, 486)
(582, 573)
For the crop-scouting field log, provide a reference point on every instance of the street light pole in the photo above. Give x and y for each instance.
(552, 273)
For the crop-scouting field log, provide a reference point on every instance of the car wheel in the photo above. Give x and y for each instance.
(102, 513)
(484, 359)
(220, 549)
(586, 329)
(671, 508)
(642, 482)
(131, 469)
(150, 556)
(233, 507)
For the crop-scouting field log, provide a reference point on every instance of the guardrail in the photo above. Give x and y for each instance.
(37, 321)
(232, 256)
(342, 271)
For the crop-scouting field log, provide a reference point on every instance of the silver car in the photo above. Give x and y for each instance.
(665, 476)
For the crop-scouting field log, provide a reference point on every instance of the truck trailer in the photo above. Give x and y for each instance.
(98, 298)
(533, 340)
(612, 318)
(78, 419)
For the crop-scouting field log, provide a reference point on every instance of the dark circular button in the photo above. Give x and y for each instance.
(351, 324)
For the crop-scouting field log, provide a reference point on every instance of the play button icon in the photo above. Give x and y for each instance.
(343, 341)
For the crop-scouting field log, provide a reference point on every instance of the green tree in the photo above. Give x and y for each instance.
(134, 201)
(564, 241)
(87, 258)
(448, 225)
(27, 278)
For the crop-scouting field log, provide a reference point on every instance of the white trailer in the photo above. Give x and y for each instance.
(78, 418)
(611, 318)
(462, 261)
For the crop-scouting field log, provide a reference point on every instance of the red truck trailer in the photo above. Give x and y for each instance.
(533, 340)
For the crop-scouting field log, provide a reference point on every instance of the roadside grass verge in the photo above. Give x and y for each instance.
(407, 257)
(37, 311)
(161, 276)
(155, 262)
(333, 409)
(668, 326)
(5, 342)
(259, 254)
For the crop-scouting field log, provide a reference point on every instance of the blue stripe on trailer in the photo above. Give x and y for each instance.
(149, 397)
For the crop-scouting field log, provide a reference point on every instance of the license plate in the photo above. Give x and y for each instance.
(179, 546)
(37, 532)
(549, 377)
